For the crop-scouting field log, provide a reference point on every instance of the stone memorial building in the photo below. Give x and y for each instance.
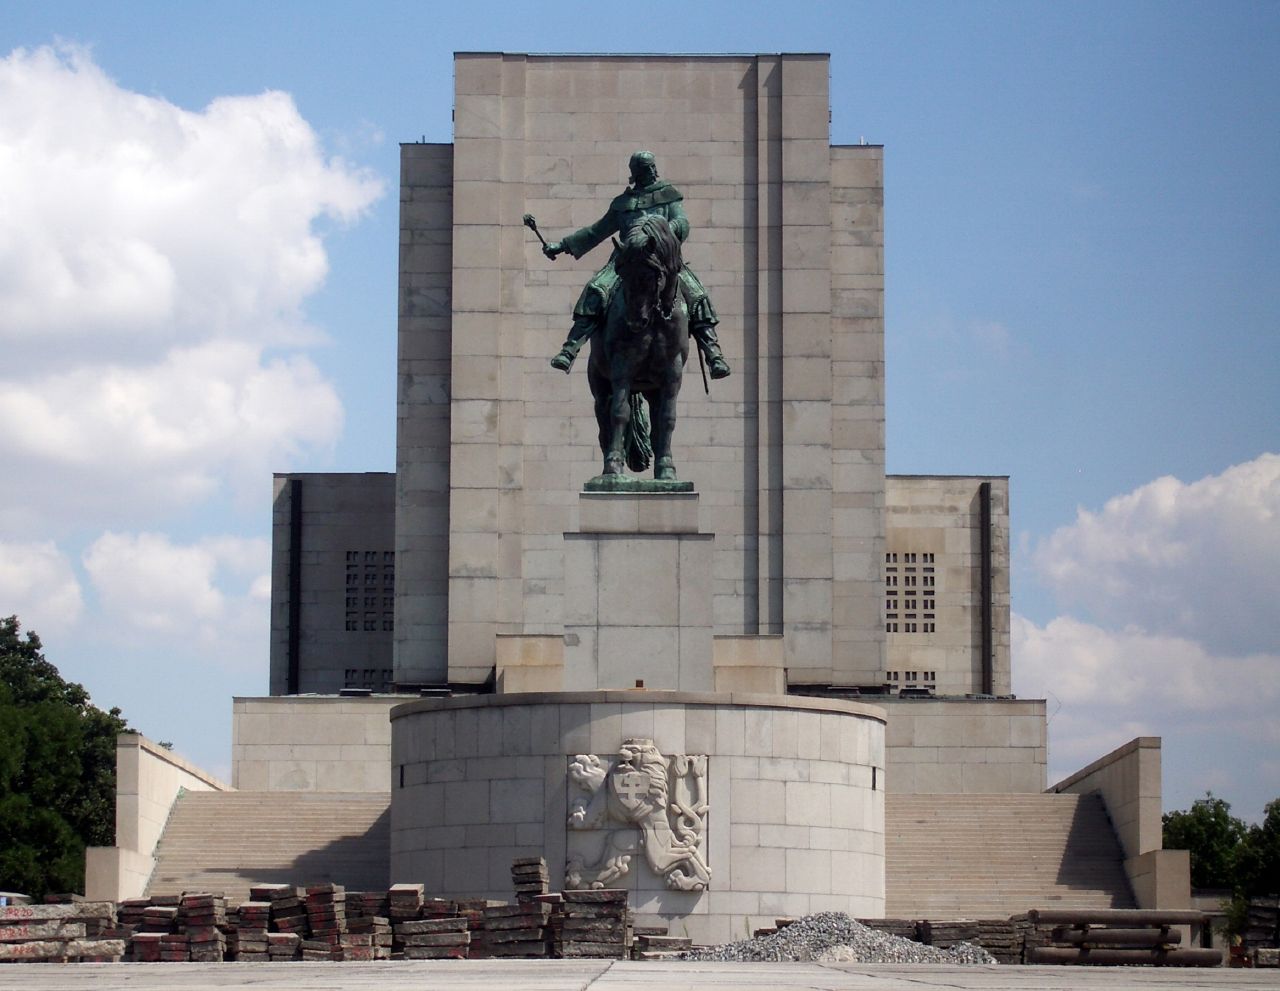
(791, 655)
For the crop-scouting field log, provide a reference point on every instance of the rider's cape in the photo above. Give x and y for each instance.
(658, 195)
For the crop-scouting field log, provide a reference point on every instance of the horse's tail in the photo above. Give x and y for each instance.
(638, 446)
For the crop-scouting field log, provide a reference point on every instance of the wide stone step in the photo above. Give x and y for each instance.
(999, 855)
(229, 841)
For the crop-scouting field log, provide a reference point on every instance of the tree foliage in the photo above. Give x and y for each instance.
(57, 770)
(1258, 865)
(1227, 853)
(1213, 835)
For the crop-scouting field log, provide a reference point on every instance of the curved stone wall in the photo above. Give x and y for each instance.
(792, 800)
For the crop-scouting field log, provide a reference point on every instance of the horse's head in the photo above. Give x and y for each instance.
(649, 264)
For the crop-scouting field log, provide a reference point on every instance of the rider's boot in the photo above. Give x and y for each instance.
(578, 334)
(705, 335)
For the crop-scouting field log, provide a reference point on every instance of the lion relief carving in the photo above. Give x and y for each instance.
(641, 801)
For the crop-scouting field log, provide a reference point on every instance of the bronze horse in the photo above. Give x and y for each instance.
(641, 351)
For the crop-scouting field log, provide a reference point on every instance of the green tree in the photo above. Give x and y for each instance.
(57, 770)
(1213, 835)
(1259, 861)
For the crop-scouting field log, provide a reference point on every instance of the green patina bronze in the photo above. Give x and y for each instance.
(647, 195)
(629, 483)
(642, 306)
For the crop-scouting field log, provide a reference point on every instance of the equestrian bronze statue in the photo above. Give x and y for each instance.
(641, 308)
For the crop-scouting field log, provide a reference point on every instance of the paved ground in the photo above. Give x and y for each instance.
(599, 975)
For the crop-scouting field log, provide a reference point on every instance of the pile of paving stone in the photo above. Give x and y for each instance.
(595, 924)
(325, 922)
(999, 937)
(60, 932)
(835, 936)
(1031, 934)
(519, 930)
(530, 878)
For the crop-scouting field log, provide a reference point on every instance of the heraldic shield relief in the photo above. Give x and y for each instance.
(637, 801)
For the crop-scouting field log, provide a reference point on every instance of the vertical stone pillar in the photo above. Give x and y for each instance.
(486, 401)
(857, 412)
(422, 414)
(806, 367)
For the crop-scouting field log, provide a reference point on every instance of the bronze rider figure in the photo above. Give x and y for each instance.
(647, 194)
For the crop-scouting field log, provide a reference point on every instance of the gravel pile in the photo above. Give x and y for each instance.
(833, 936)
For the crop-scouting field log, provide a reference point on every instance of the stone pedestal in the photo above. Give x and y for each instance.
(638, 594)
(784, 798)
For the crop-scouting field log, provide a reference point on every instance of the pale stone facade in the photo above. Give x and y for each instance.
(300, 743)
(965, 746)
(794, 789)
(332, 582)
(148, 779)
(787, 455)
(494, 444)
(947, 583)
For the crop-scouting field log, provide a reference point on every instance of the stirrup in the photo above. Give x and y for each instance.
(718, 367)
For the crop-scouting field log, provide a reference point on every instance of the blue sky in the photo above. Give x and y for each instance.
(1081, 212)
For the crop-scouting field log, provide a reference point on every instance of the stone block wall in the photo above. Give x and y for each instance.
(965, 746)
(343, 571)
(311, 744)
(796, 818)
(1129, 780)
(149, 779)
(936, 519)
(494, 445)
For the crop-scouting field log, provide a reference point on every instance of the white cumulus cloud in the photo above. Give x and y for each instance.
(150, 256)
(154, 435)
(1219, 715)
(205, 595)
(1196, 560)
(37, 584)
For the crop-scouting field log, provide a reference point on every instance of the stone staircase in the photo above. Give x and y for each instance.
(227, 841)
(993, 856)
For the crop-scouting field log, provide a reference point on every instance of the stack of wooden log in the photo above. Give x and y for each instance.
(1117, 936)
(59, 932)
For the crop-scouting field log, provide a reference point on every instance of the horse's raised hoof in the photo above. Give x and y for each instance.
(665, 470)
(614, 466)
